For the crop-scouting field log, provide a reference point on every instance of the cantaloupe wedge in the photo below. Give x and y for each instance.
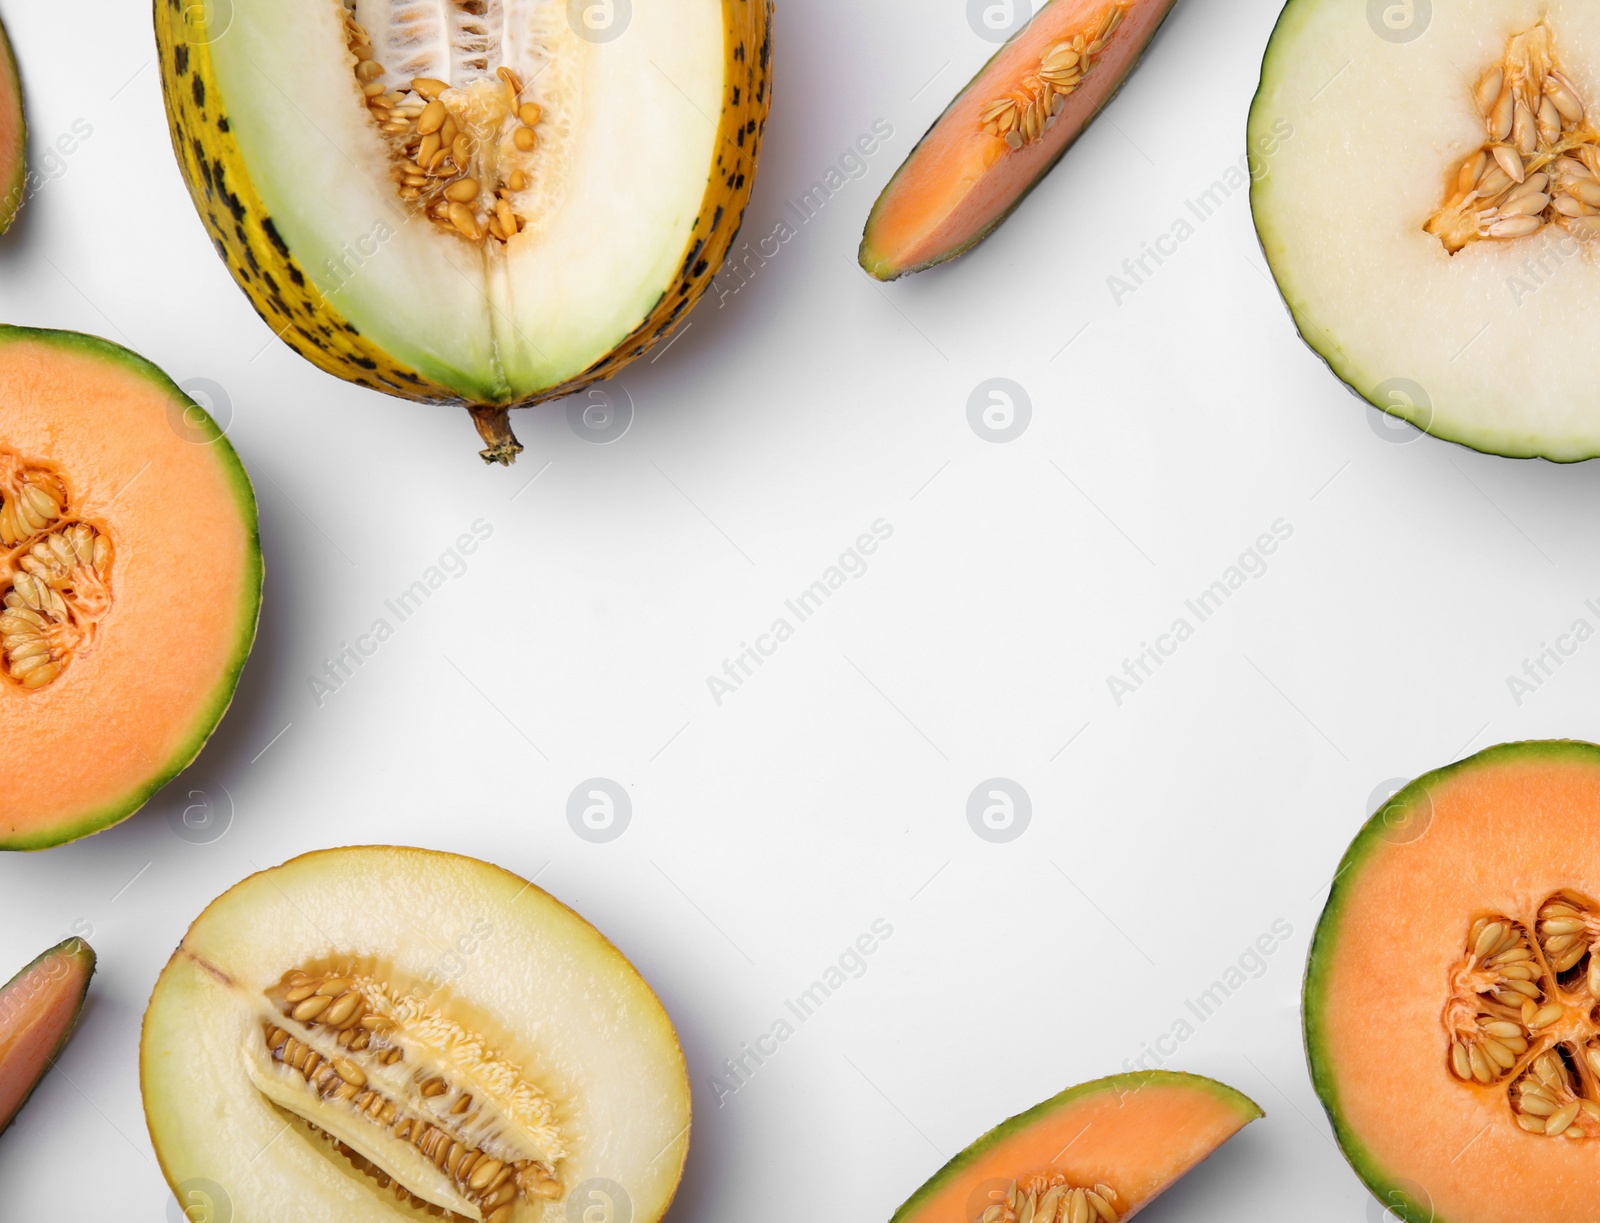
(1451, 996)
(13, 136)
(1096, 1153)
(39, 1007)
(1006, 130)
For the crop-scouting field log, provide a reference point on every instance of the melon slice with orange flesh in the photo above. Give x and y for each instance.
(1006, 130)
(13, 136)
(39, 1007)
(1096, 1153)
(1452, 998)
(130, 579)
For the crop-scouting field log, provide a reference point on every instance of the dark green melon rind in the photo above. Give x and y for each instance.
(1324, 943)
(221, 696)
(1316, 338)
(879, 269)
(82, 959)
(1122, 1084)
(13, 178)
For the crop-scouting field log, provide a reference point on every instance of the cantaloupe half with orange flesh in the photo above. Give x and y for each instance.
(1006, 130)
(1096, 1153)
(1452, 997)
(39, 1008)
(13, 136)
(130, 580)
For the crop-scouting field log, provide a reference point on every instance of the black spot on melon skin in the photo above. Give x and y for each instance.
(180, 59)
(223, 125)
(296, 275)
(274, 237)
(199, 92)
(700, 269)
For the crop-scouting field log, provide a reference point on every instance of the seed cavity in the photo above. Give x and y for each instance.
(407, 1095)
(1047, 1197)
(1031, 109)
(462, 152)
(1523, 1016)
(55, 576)
(1540, 162)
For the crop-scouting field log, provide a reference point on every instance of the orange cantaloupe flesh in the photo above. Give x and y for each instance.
(1137, 1132)
(38, 1010)
(1497, 834)
(960, 181)
(93, 745)
(13, 136)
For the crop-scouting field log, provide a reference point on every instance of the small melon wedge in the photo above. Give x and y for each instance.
(13, 136)
(982, 156)
(39, 1007)
(1108, 1147)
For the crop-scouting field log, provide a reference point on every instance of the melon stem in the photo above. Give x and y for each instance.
(494, 426)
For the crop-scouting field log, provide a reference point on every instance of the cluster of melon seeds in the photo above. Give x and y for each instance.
(457, 152)
(1030, 110)
(55, 576)
(389, 1062)
(1524, 1016)
(1050, 1198)
(1540, 164)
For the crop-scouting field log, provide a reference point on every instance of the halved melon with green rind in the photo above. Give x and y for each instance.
(1447, 971)
(1115, 1143)
(130, 583)
(622, 186)
(1475, 346)
(450, 998)
(39, 1007)
(1006, 130)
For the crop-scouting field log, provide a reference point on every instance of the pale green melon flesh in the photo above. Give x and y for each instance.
(1353, 138)
(628, 145)
(564, 1004)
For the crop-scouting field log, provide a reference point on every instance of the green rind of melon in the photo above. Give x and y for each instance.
(1385, 1186)
(82, 958)
(876, 266)
(14, 178)
(1337, 361)
(118, 809)
(1122, 1084)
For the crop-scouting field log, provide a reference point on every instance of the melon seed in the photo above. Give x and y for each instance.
(1024, 115)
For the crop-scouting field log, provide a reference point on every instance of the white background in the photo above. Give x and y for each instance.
(831, 789)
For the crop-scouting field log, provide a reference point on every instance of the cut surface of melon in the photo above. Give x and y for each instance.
(481, 203)
(1107, 1148)
(403, 1034)
(39, 1007)
(1454, 304)
(130, 582)
(1005, 131)
(1452, 990)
